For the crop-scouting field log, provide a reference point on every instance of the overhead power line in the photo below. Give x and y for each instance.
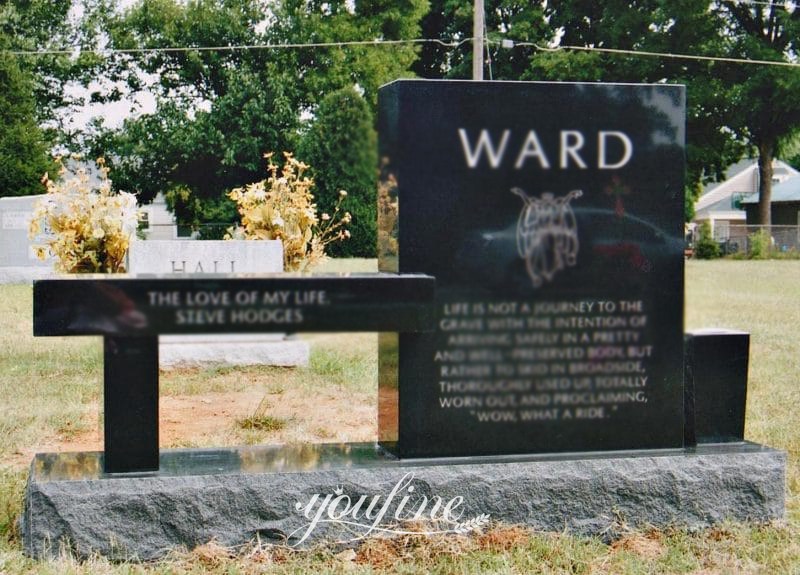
(238, 47)
(665, 55)
(785, 5)
(504, 43)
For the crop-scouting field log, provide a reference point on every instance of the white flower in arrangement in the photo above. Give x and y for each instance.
(85, 225)
(129, 209)
(259, 194)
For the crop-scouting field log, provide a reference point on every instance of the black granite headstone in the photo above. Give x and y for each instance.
(130, 312)
(149, 305)
(130, 404)
(716, 385)
(551, 216)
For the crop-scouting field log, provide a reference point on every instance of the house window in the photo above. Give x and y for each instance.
(722, 230)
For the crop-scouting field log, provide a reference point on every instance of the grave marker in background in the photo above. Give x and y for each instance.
(18, 261)
(552, 217)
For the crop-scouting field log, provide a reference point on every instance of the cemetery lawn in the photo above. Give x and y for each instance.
(50, 388)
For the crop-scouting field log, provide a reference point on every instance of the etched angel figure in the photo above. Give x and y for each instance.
(547, 234)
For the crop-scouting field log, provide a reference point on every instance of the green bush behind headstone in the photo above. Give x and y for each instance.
(341, 148)
(760, 245)
(707, 248)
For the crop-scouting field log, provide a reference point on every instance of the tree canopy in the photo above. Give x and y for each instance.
(765, 110)
(24, 156)
(25, 101)
(232, 79)
(219, 110)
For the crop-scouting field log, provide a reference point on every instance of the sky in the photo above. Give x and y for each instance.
(114, 113)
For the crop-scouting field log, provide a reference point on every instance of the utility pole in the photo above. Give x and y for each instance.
(477, 40)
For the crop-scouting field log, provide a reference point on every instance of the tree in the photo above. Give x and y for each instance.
(217, 111)
(341, 148)
(731, 106)
(220, 110)
(451, 21)
(58, 46)
(659, 26)
(322, 70)
(765, 108)
(31, 86)
(665, 26)
(24, 157)
(653, 25)
(205, 150)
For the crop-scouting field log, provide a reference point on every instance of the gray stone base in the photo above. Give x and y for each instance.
(25, 274)
(232, 349)
(234, 495)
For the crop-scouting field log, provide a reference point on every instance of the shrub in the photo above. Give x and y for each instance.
(706, 247)
(282, 208)
(86, 226)
(210, 218)
(341, 146)
(759, 245)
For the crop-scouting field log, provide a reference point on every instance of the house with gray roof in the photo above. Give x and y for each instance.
(723, 205)
(785, 202)
(785, 213)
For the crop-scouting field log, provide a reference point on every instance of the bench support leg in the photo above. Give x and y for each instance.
(130, 378)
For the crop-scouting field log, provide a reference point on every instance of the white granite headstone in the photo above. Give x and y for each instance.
(18, 261)
(204, 256)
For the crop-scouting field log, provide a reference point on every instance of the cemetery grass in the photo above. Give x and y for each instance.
(51, 387)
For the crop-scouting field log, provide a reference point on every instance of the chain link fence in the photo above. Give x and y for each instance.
(177, 232)
(741, 239)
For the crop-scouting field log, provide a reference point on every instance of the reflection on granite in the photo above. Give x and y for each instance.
(78, 465)
(247, 459)
(210, 303)
(82, 466)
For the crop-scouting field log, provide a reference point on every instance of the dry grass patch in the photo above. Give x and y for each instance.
(647, 545)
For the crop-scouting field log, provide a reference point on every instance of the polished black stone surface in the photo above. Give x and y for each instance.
(130, 312)
(552, 218)
(716, 385)
(82, 466)
(130, 403)
(140, 306)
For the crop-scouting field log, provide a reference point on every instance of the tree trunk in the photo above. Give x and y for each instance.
(765, 154)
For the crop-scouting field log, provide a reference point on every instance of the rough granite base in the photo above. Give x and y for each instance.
(234, 495)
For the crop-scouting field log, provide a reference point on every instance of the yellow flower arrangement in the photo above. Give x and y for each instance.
(282, 208)
(85, 226)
